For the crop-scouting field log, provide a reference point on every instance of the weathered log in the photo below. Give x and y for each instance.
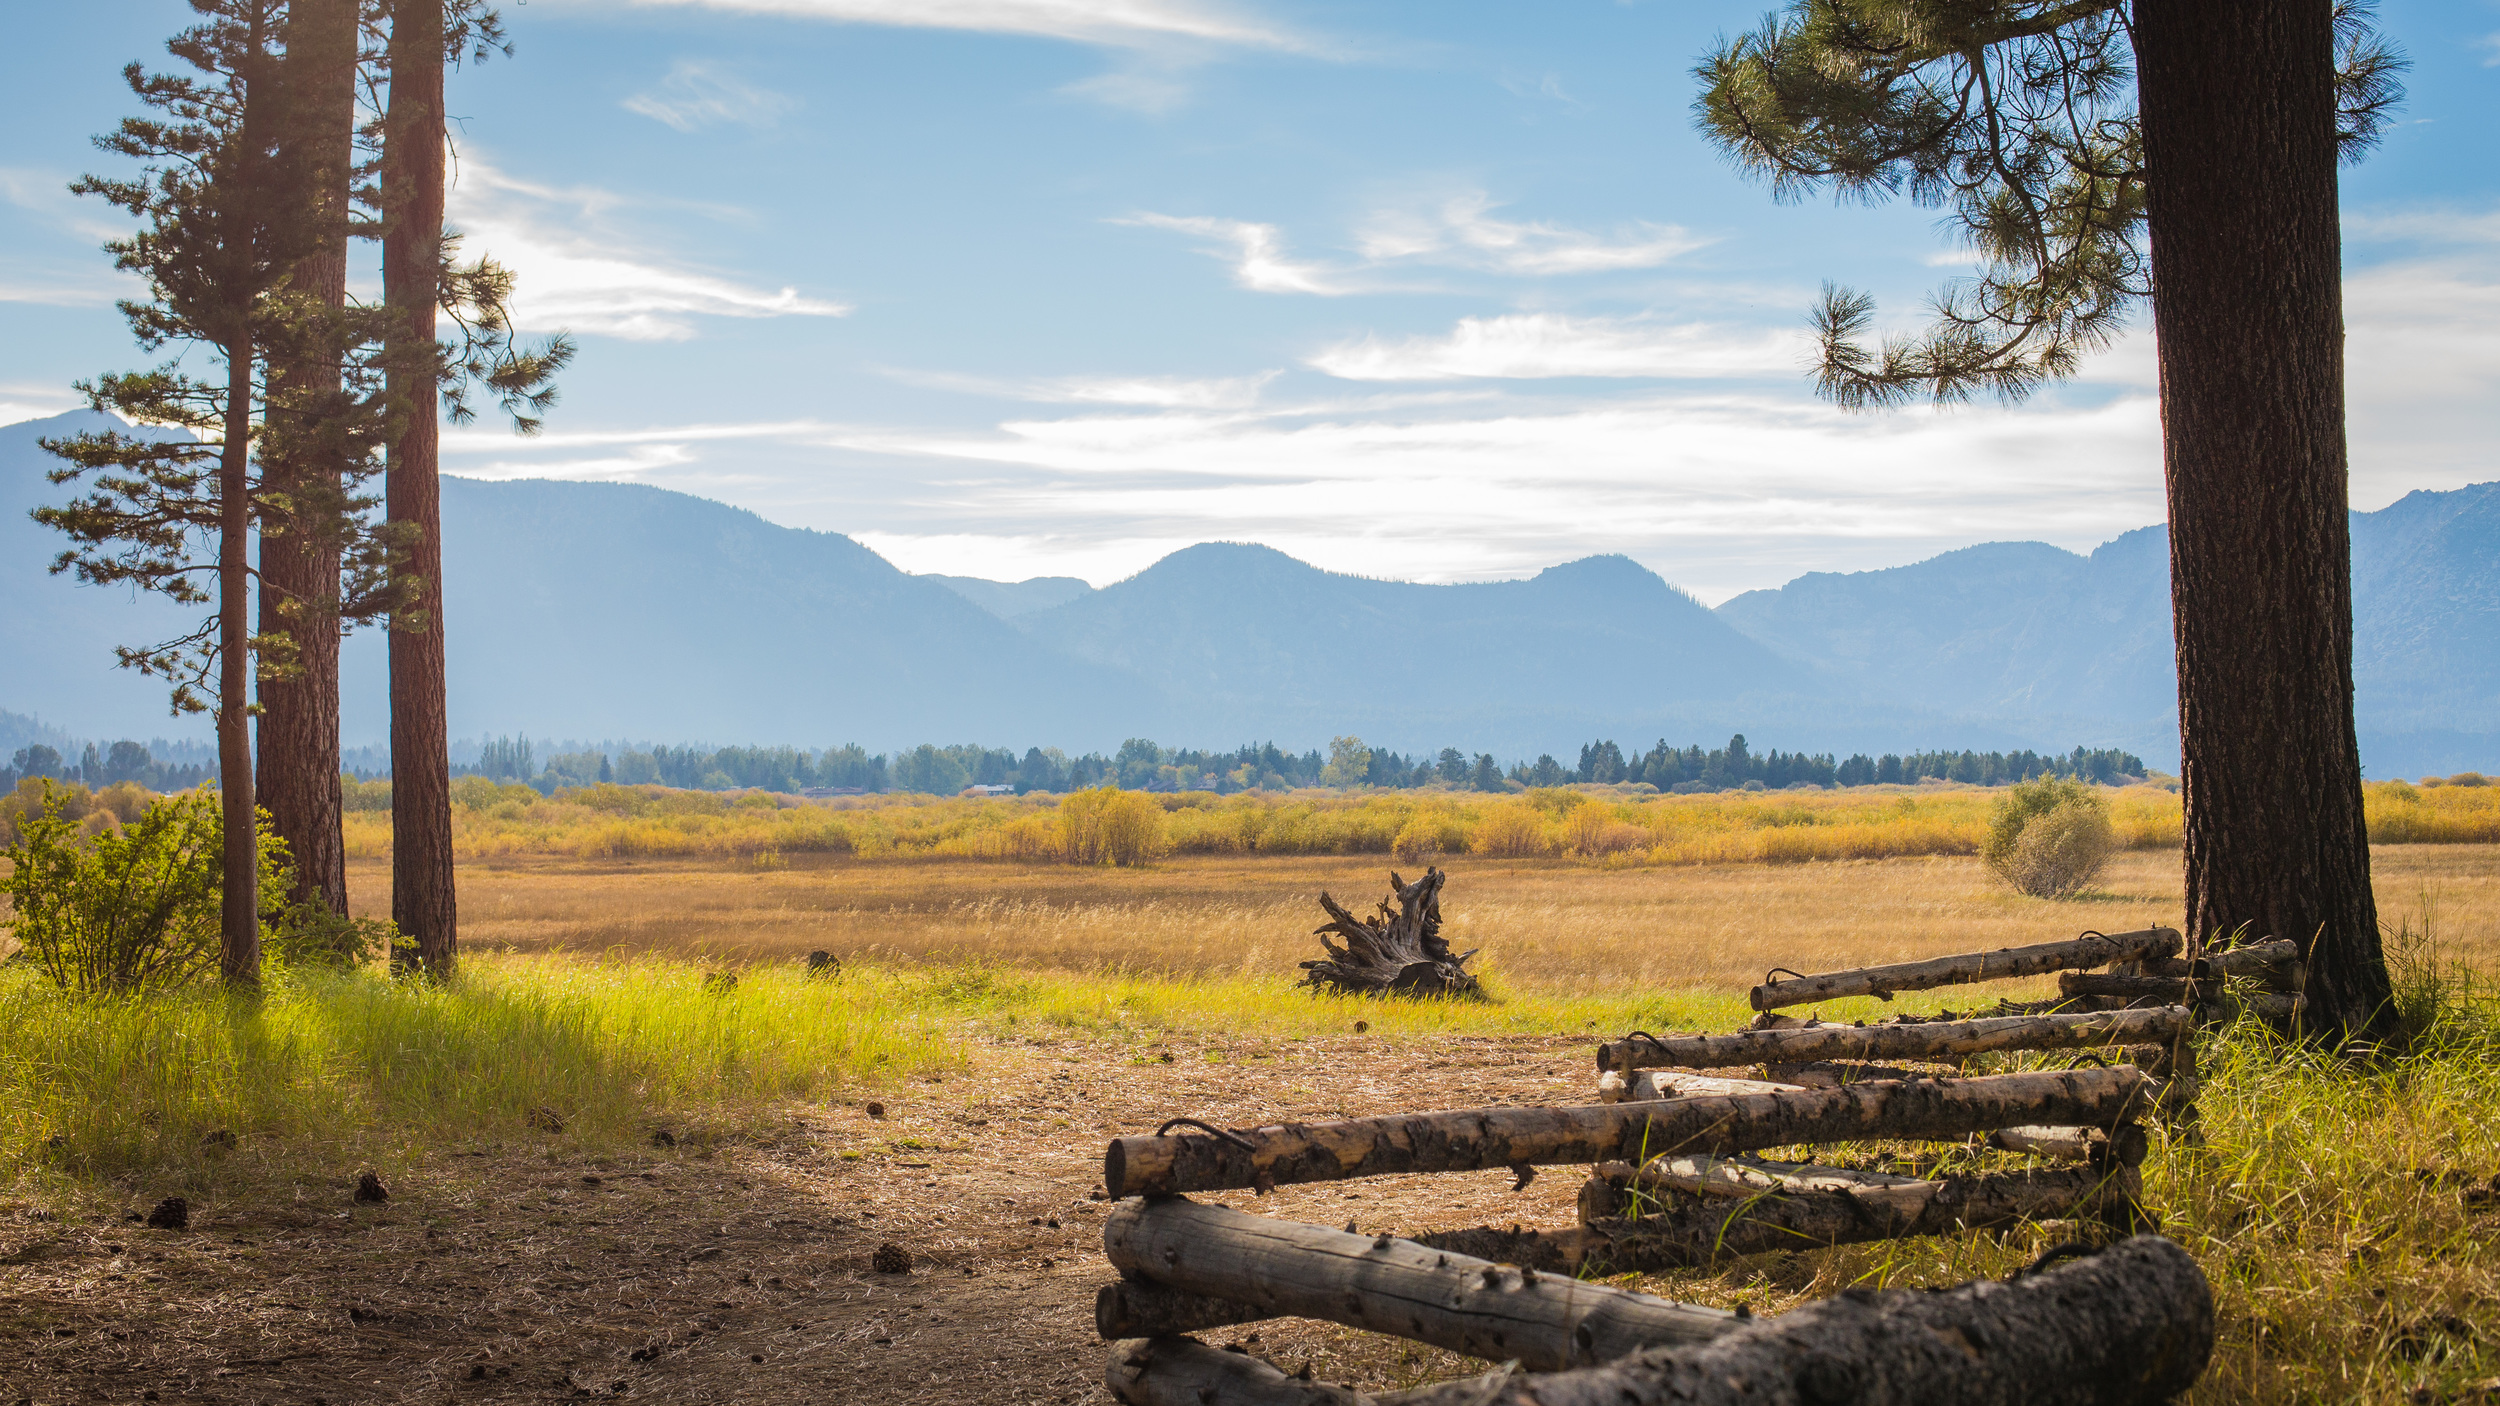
(1141, 1308)
(2129, 1326)
(1737, 1177)
(1614, 1086)
(1732, 1209)
(1394, 1286)
(2271, 1005)
(1831, 1074)
(2092, 950)
(1480, 1138)
(1932, 1039)
(2171, 990)
(1184, 1372)
(2124, 1144)
(1399, 951)
(2252, 959)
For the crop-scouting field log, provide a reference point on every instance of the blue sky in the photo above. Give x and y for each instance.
(1434, 291)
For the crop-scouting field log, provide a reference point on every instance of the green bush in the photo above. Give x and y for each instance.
(2049, 837)
(136, 907)
(125, 910)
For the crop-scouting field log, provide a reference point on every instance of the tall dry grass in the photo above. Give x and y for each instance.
(1546, 925)
(1598, 825)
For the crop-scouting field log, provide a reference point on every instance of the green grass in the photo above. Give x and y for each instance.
(2326, 1197)
(328, 1070)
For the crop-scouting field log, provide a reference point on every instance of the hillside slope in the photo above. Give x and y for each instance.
(2029, 636)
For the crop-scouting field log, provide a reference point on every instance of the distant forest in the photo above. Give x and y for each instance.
(1142, 765)
(96, 768)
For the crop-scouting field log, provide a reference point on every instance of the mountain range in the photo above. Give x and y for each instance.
(617, 610)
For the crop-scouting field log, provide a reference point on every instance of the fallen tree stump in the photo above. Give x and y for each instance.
(1732, 1208)
(1393, 1286)
(1399, 951)
(1935, 1039)
(1881, 982)
(1481, 1138)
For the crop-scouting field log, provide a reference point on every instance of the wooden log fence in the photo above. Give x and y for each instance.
(1935, 1039)
(2128, 1326)
(1676, 1183)
(1509, 1137)
(2091, 950)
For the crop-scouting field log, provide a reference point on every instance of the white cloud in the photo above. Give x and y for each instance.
(697, 94)
(1719, 493)
(1462, 230)
(1119, 23)
(35, 402)
(1256, 252)
(1528, 345)
(1160, 392)
(67, 290)
(1151, 91)
(578, 272)
(1456, 232)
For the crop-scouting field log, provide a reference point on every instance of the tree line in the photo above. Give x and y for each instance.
(1141, 764)
(97, 768)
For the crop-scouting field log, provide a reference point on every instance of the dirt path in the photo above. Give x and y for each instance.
(741, 1273)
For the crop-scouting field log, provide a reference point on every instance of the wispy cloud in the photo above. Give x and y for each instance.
(1120, 23)
(1533, 345)
(1544, 88)
(1151, 89)
(1460, 232)
(1255, 251)
(697, 94)
(1160, 392)
(34, 401)
(578, 271)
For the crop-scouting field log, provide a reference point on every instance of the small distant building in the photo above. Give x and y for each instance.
(987, 791)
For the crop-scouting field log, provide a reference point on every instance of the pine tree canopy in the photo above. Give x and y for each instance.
(2018, 118)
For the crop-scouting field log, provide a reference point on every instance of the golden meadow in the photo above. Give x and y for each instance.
(1598, 825)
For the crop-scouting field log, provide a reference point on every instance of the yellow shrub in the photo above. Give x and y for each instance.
(1510, 830)
(1106, 826)
(1428, 833)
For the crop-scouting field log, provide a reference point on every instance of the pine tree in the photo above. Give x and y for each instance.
(224, 219)
(427, 379)
(2097, 155)
(323, 430)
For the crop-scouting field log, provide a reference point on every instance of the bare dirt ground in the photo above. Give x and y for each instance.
(740, 1271)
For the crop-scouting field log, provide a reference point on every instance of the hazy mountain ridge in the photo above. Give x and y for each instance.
(2031, 636)
(588, 609)
(1009, 599)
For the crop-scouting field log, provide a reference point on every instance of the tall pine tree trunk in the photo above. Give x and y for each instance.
(423, 901)
(299, 568)
(2238, 107)
(238, 949)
